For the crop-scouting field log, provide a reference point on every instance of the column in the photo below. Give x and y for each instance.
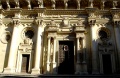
(78, 67)
(93, 49)
(13, 46)
(117, 37)
(84, 64)
(48, 55)
(54, 57)
(37, 57)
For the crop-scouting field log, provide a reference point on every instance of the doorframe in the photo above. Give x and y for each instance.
(19, 61)
(65, 39)
(112, 62)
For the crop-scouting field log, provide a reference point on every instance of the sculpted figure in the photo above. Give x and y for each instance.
(29, 5)
(40, 3)
(114, 4)
(8, 5)
(66, 4)
(0, 4)
(17, 3)
(53, 4)
(78, 4)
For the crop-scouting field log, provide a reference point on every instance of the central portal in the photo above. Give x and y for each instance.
(66, 57)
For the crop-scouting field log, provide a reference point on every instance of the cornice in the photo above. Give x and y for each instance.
(65, 11)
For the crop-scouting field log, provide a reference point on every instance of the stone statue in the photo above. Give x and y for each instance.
(66, 4)
(53, 4)
(114, 4)
(52, 22)
(29, 5)
(78, 4)
(8, 5)
(40, 3)
(91, 3)
(26, 41)
(0, 4)
(103, 5)
(17, 3)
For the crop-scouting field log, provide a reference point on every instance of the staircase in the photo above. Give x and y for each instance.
(57, 76)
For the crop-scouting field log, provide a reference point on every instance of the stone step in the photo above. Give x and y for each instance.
(60, 76)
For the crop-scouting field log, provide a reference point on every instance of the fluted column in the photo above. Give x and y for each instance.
(48, 55)
(78, 67)
(54, 57)
(36, 69)
(10, 66)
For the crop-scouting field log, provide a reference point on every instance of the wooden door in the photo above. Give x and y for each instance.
(25, 63)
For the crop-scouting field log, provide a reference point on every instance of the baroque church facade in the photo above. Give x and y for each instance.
(60, 36)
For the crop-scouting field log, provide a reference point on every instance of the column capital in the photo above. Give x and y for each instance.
(16, 22)
(116, 23)
(79, 35)
(92, 22)
(39, 21)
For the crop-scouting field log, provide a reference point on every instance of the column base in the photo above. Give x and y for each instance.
(78, 69)
(9, 70)
(35, 71)
(77, 72)
(48, 67)
(95, 72)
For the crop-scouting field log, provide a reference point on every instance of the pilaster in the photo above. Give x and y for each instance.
(37, 57)
(116, 23)
(13, 46)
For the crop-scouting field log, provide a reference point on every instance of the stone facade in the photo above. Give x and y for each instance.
(34, 29)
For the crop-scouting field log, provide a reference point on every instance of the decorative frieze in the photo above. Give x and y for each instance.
(105, 48)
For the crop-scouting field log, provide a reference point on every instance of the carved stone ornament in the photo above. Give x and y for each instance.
(39, 22)
(40, 3)
(53, 4)
(26, 45)
(92, 22)
(5, 37)
(79, 35)
(52, 23)
(105, 48)
(16, 22)
(116, 23)
(65, 21)
(17, 4)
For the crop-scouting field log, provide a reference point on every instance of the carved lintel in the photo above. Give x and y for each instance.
(105, 48)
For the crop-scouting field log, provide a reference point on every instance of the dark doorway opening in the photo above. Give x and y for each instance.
(25, 63)
(107, 65)
(66, 57)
